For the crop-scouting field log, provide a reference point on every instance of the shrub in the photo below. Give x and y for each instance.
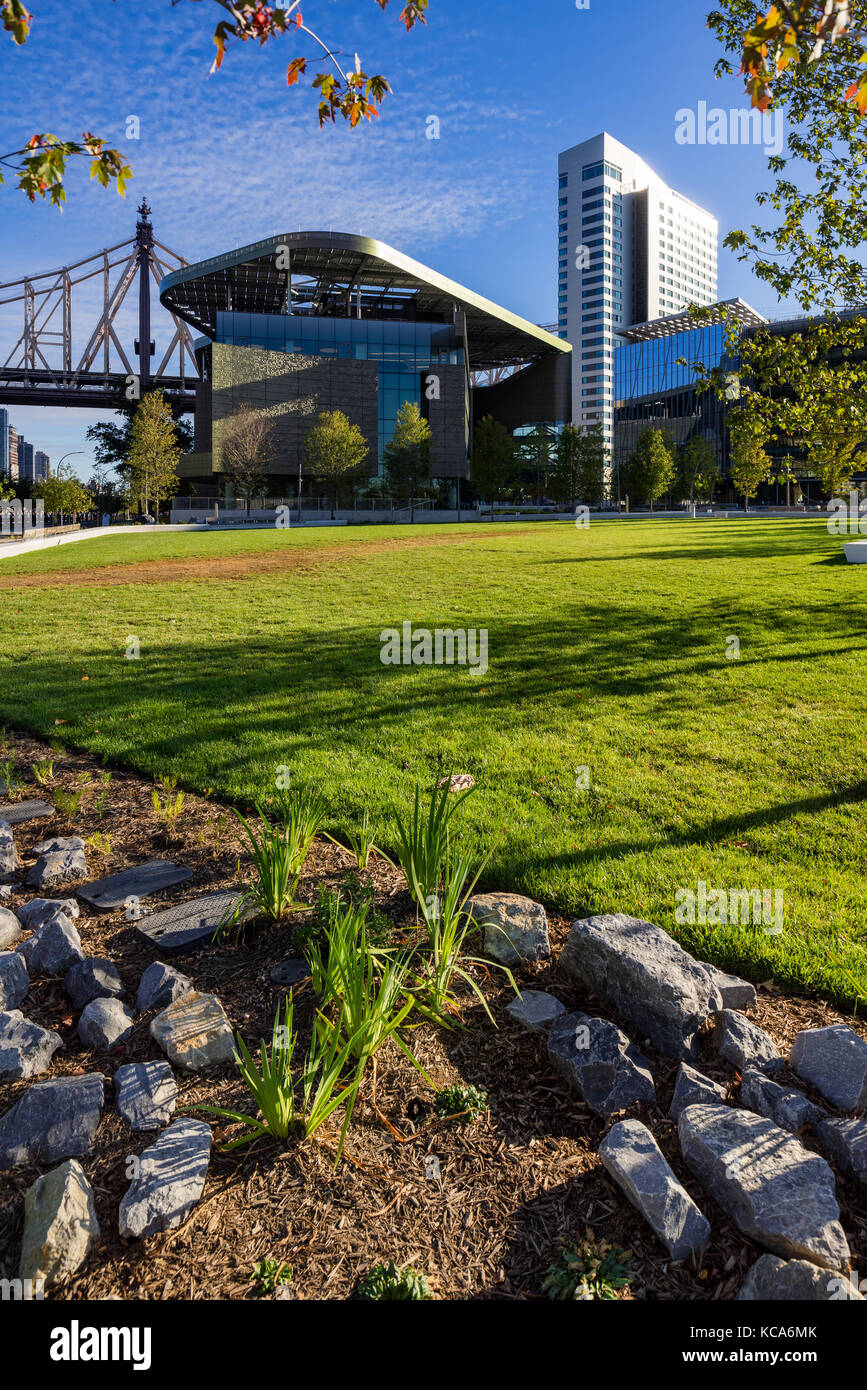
(459, 1102)
(270, 1274)
(387, 1283)
(586, 1271)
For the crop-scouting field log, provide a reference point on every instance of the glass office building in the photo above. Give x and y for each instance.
(656, 374)
(405, 353)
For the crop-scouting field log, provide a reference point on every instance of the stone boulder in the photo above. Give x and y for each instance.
(776, 1191)
(25, 1048)
(169, 1182)
(604, 1067)
(646, 977)
(104, 1023)
(60, 1225)
(744, 1044)
(535, 1010)
(95, 977)
(147, 1094)
(52, 1120)
(14, 979)
(160, 985)
(788, 1108)
(10, 928)
(736, 993)
(834, 1060)
(846, 1142)
(632, 1156)
(58, 866)
(514, 928)
(194, 1031)
(772, 1280)
(53, 949)
(691, 1088)
(8, 853)
(40, 910)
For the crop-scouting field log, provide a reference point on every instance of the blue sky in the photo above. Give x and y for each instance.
(229, 158)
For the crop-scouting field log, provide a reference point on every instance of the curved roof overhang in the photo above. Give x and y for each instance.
(331, 271)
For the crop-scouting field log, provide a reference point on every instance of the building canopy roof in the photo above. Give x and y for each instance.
(728, 310)
(332, 273)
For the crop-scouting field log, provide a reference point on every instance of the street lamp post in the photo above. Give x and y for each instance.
(70, 455)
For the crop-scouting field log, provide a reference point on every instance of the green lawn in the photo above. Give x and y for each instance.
(607, 650)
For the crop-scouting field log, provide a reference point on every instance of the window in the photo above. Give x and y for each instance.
(564, 180)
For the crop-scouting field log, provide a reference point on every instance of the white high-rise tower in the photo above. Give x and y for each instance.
(630, 249)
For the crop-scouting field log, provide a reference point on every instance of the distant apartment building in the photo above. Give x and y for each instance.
(25, 460)
(41, 466)
(12, 438)
(4, 442)
(630, 250)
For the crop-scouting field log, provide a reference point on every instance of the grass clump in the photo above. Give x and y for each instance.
(588, 1270)
(386, 1283)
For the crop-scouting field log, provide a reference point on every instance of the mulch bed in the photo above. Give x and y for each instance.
(512, 1185)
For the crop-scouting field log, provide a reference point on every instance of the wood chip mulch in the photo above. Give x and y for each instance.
(512, 1186)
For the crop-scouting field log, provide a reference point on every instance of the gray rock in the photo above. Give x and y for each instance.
(772, 1280)
(633, 1158)
(535, 1010)
(25, 1048)
(775, 1190)
(604, 1067)
(744, 1044)
(59, 844)
(8, 853)
(53, 949)
(147, 1094)
(10, 928)
(194, 1031)
(170, 1180)
(59, 866)
(643, 974)
(92, 978)
(188, 926)
(514, 928)
(60, 1225)
(788, 1108)
(736, 993)
(160, 985)
(104, 1023)
(846, 1142)
(40, 910)
(108, 894)
(834, 1060)
(14, 980)
(52, 1120)
(691, 1088)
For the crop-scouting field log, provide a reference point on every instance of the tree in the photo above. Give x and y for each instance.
(698, 471)
(563, 476)
(533, 452)
(153, 453)
(334, 450)
(41, 164)
(63, 493)
(804, 60)
(493, 459)
(407, 455)
(112, 439)
(750, 465)
(650, 470)
(247, 448)
(592, 463)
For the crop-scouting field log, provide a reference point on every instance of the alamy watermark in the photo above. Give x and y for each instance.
(734, 127)
(847, 516)
(732, 907)
(444, 646)
(17, 518)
